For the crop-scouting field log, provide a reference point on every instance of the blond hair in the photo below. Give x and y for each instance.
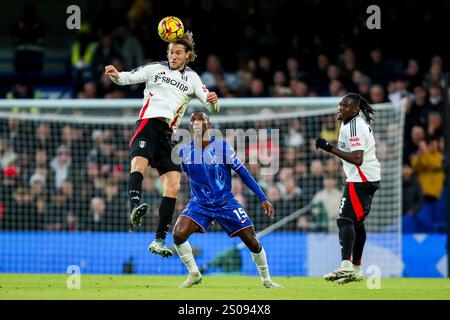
(187, 40)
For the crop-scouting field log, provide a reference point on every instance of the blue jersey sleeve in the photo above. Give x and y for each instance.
(238, 166)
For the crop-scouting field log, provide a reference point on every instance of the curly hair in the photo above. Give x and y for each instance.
(187, 40)
(362, 105)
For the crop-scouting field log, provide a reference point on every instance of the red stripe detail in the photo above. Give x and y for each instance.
(356, 204)
(139, 129)
(357, 263)
(176, 118)
(144, 108)
(361, 174)
(173, 122)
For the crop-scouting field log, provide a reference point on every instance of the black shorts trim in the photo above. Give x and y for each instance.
(152, 140)
(357, 200)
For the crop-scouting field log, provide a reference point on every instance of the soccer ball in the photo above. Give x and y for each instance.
(170, 29)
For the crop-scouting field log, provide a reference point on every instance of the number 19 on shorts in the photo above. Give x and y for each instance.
(241, 215)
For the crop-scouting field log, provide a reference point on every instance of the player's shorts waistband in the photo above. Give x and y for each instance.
(158, 121)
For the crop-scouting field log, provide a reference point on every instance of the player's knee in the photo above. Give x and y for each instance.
(172, 188)
(140, 166)
(254, 246)
(179, 237)
(344, 222)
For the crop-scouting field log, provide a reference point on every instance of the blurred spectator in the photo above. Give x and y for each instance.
(57, 212)
(116, 206)
(29, 33)
(377, 94)
(291, 200)
(9, 183)
(43, 138)
(417, 110)
(104, 55)
(97, 219)
(264, 71)
(89, 91)
(293, 70)
(129, 47)
(379, 71)
(347, 63)
(296, 135)
(7, 154)
(435, 72)
(314, 180)
(82, 55)
(330, 129)
(435, 97)
(280, 86)
(412, 74)
(412, 196)
(363, 87)
(427, 165)
(40, 158)
(22, 89)
(412, 145)
(299, 88)
(21, 215)
(266, 181)
(400, 91)
(61, 165)
(319, 78)
(108, 90)
(434, 125)
(327, 202)
(215, 78)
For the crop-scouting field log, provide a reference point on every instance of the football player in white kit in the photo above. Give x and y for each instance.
(356, 149)
(169, 86)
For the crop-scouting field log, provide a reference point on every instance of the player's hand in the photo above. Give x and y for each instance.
(268, 209)
(110, 70)
(212, 98)
(323, 144)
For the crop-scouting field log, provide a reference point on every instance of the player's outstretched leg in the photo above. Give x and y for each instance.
(158, 246)
(360, 240)
(171, 184)
(248, 236)
(184, 227)
(138, 211)
(345, 272)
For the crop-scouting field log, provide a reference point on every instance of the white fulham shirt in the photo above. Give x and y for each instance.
(357, 135)
(167, 92)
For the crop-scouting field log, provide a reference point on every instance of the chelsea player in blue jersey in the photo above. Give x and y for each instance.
(208, 164)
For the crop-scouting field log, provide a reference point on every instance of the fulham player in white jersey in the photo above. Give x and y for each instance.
(169, 86)
(356, 149)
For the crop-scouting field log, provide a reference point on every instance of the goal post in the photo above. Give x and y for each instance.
(64, 170)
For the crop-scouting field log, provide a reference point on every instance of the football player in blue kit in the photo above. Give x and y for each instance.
(208, 163)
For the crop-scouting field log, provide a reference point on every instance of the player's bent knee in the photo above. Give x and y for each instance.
(172, 189)
(179, 238)
(139, 164)
(343, 222)
(254, 246)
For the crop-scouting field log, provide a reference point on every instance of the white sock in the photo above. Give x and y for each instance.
(260, 260)
(184, 251)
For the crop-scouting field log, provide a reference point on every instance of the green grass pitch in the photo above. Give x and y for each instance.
(105, 287)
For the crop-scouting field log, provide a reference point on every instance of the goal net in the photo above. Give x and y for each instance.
(63, 192)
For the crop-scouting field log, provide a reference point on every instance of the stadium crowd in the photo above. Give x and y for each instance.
(57, 176)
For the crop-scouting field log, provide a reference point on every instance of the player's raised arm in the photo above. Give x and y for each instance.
(236, 164)
(209, 99)
(138, 75)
